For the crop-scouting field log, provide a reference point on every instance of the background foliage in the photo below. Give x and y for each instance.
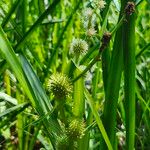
(108, 101)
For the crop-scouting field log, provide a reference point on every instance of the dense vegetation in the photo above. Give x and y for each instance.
(74, 74)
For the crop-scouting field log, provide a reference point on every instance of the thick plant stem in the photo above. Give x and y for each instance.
(129, 75)
(112, 91)
(112, 88)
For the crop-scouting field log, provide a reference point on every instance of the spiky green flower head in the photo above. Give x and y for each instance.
(62, 143)
(60, 85)
(78, 46)
(76, 129)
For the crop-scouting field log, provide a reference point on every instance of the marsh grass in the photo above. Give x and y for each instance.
(107, 106)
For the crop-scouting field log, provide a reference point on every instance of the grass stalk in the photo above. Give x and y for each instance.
(10, 12)
(37, 23)
(129, 75)
(20, 122)
(106, 53)
(97, 118)
(112, 87)
(79, 103)
(142, 50)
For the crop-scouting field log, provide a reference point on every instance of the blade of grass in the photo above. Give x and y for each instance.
(35, 83)
(10, 13)
(112, 87)
(8, 98)
(29, 86)
(8, 53)
(48, 11)
(97, 118)
(20, 122)
(14, 109)
(11, 114)
(89, 121)
(142, 50)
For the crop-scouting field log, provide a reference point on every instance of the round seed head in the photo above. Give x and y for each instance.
(87, 13)
(78, 46)
(76, 129)
(130, 8)
(60, 85)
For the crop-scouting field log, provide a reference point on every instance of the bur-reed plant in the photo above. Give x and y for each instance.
(73, 74)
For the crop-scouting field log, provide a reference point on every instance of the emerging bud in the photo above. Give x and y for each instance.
(60, 85)
(78, 46)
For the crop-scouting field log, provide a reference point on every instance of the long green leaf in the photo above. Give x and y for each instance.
(13, 109)
(29, 87)
(8, 98)
(113, 86)
(97, 118)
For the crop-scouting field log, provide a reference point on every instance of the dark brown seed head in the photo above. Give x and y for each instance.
(105, 40)
(130, 8)
(106, 37)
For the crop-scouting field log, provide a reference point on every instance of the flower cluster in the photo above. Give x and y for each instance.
(89, 16)
(71, 135)
(88, 20)
(78, 46)
(76, 129)
(60, 85)
(100, 4)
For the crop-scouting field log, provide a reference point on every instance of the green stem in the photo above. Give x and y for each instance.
(106, 53)
(87, 68)
(78, 96)
(129, 78)
(112, 88)
(142, 50)
(119, 24)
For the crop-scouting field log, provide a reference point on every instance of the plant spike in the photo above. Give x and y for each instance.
(129, 72)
